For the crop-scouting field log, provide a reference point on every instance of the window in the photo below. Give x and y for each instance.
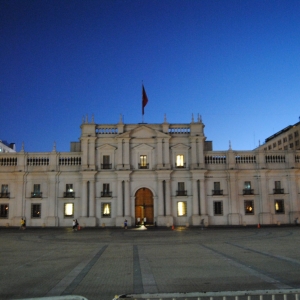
(35, 211)
(249, 207)
(285, 147)
(296, 133)
(279, 142)
(290, 137)
(274, 145)
(4, 211)
(217, 189)
(106, 162)
(180, 161)
(181, 209)
(106, 210)
(279, 206)
(247, 188)
(69, 191)
(269, 147)
(291, 145)
(278, 189)
(296, 143)
(106, 192)
(36, 191)
(218, 208)
(69, 210)
(143, 162)
(4, 191)
(285, 140)
(181, 189)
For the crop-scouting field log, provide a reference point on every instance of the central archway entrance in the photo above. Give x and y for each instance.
(144, 206)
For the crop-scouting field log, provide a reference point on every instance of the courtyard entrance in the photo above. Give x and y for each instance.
(144, 207)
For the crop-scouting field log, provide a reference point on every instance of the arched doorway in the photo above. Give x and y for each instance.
(144, 206)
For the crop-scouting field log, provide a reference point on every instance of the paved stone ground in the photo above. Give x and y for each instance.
(101, 263)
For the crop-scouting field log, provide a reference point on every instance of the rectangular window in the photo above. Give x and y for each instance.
(69, 210)
(36, 191)
(106, 190)
(4, 211)
(106, 162)
(279, 142)
(181, 209)
(4, 191)
(106, 210)
(247, 188)
(285, 140)
(249, 207)
(143, 162)
(296, 143)
(291, 145)
(247, 185)
(277, 184)
(217, 189)
(36, 211)
(279, 206)
(290, 137)
(274, 145)
(218, 208)
(181, 189)
(180, 161)
(296, 133)
(269, 147)
(69, 193)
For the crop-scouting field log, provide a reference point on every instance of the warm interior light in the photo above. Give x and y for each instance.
(69, 209)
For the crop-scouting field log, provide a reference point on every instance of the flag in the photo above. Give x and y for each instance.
(144, 99)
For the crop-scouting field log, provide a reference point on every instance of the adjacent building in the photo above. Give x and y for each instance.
(159, 174)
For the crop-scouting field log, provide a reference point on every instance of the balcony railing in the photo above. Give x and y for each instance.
(181, 166)
(69, 194)
(278, 191)
(5, 195)
(248, 191)
(36, 195)
(105, 166)
(181, 193)
(106, 194)
(217, 192)
(143, 166)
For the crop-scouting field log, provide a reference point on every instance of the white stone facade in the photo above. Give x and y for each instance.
(161, 172)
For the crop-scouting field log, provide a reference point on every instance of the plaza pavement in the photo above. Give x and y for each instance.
(99, 263)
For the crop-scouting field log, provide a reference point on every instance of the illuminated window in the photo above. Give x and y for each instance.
(36, 191)
(4, 211)
(106, 210)
(143, 162)
(36, 211)
(279, 206)
(69, 210)
(249, 207)
(218, 208)
(181, 209)
(180, 161)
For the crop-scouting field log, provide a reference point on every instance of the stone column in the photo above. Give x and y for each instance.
(203, 198)
(92, 199)
(168, 198)
(160, 199)
(127, 198)
(84, 198)
(119, 199)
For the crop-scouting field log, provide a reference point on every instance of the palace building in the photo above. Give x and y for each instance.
(161, 174)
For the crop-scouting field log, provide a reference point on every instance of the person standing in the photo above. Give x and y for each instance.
(73, 225)
(125, 224)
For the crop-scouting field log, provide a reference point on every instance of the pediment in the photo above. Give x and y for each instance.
(143, 147)
(143, 132)
(106, 147)
(180, 147)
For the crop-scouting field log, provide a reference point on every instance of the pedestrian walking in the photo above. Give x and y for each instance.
(125, 224)
(22, 224)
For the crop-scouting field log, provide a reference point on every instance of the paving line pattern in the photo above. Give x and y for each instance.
(252, 271)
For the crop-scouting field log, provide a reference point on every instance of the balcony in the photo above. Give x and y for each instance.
(106, 166)
(5, 195)
(69, 194)
(106, 194)
(278, 191)
(248, 192)
(181, 193)
(36, 195)
(143, 166)
(181, 166)
(217, 192)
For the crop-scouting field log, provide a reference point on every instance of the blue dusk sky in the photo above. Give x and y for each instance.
(235, 62)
